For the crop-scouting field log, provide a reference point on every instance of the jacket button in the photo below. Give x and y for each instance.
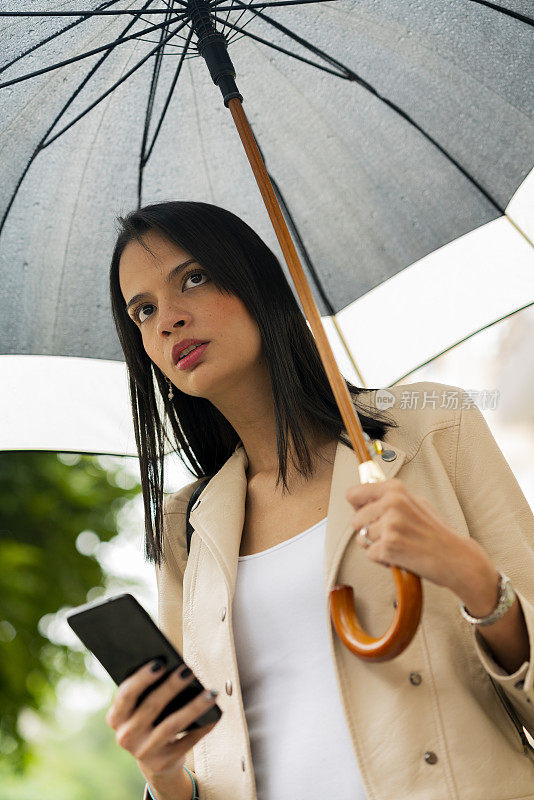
(223, 612)
(389, 455)
(430, 757)
(243, 764)
(415, 678)
(228, 687)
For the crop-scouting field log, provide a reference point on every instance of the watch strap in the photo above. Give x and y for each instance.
(505, 601)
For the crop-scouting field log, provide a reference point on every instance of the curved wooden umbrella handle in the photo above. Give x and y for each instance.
(408, 607)
(399, 634)
(409, 594)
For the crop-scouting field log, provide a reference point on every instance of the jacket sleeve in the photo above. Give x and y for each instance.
(500, 519)
(169, 579)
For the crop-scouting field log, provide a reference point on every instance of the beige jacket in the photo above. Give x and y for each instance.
(428, 725)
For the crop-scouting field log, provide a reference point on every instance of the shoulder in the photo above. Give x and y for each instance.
(176, 502)
(174, 527)
(419, 409)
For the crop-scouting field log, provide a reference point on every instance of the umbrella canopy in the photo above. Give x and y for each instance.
(398, 137)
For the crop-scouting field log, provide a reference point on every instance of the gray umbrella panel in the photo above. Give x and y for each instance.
(369, 194)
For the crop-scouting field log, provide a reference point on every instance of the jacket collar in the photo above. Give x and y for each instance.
(219, 513)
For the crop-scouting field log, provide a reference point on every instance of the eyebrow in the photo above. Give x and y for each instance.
(174, 271)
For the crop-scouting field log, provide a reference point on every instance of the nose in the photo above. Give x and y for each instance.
(170, 317)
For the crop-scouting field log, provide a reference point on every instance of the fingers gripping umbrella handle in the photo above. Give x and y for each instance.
(408, 606)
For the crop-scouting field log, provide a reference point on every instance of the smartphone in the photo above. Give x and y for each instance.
(124, 637)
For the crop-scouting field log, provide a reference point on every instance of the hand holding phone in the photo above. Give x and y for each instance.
(150, 709)
(160, 755)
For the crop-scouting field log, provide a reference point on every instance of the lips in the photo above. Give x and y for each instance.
(178, 348)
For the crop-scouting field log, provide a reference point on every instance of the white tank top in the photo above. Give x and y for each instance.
(300, 744)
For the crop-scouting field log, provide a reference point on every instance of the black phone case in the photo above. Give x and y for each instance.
(124, 637)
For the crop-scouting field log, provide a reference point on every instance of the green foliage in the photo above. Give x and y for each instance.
(85, 765)
(44, 506)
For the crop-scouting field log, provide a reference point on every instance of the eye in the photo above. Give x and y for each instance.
(139, 309)
(193, 274)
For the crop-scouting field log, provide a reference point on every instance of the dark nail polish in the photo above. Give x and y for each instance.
(185, 672)
(157, 665)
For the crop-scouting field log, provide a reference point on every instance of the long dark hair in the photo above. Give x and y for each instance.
(239, 263)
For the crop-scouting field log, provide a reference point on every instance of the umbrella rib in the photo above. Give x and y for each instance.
(51, 37)
(514, 14)
(216, 6)
(305, 255)
(40, 146)
(236, 22)
(235, 38)
(229, 12)
(186, 3)
(148, 153)
(283, 50)
(168, 5)
(350, 75)
(461, 341)
(117, 83)
(150, 101)
(90, 75)
(108, 46)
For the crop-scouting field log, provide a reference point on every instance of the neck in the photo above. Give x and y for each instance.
(254, 422)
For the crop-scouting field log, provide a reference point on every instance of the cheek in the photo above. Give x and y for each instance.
(235, 324)
(154, 354)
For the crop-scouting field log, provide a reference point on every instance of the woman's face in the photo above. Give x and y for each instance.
(189, 306)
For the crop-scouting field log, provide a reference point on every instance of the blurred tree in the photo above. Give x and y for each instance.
(44, 506)
(82, 765)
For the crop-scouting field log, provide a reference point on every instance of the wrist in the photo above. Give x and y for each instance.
(481, 599)
(175, 784)
(475, 580)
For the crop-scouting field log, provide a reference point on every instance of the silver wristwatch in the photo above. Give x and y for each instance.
(506, 599)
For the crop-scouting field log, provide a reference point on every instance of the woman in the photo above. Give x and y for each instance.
(274, 531)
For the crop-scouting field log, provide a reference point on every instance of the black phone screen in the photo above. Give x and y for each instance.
(124, 637)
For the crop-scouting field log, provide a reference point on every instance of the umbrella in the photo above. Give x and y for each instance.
(441, 160)
(402, 163)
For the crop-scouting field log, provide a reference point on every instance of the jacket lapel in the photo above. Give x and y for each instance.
(219, 513)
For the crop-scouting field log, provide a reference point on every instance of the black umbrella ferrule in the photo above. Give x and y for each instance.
(213, 47)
